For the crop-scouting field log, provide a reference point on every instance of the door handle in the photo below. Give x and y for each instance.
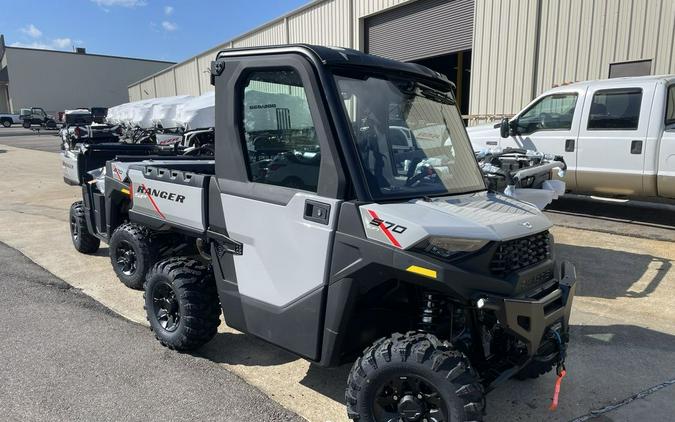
(636, 147)
(569, 145)
(316, 211)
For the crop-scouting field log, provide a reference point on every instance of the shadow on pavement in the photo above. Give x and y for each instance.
(243, 349)
(613, 211)
(625, 336)
(330, 382)
(610, 274)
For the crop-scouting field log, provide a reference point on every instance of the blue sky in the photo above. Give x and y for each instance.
(155, 29)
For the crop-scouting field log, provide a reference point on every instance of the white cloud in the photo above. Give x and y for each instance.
(62, 43)
(55, 44)
(32, 31)
(169, 26)
(120, 3)
(34, 44)
(168, 10)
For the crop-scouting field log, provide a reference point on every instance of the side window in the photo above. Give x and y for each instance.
(615, 109)
(553, 112)
(282, 145)
(670, 108)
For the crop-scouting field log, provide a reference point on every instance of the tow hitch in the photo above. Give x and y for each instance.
(559, 369)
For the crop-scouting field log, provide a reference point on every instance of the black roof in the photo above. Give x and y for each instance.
(346, 57)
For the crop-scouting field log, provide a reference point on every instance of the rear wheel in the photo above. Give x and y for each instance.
(132, 253)
(82, 239)
(6, 122)
(413, 377)
(181, 303)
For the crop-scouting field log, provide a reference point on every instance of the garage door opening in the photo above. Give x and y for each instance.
(457, 68)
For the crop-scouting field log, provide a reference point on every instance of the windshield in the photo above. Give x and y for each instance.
(410, 138)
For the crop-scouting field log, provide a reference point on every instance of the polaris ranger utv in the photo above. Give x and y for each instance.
(319, 232)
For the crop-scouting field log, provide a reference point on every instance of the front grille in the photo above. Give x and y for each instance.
(517, 254)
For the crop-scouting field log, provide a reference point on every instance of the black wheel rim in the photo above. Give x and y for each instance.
(74, 228)
(407, 398)
(166, 306)
(126, 258)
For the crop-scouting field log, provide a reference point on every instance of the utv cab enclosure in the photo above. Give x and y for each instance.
(319, 232)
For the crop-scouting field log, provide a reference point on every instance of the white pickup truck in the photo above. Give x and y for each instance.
(617, 136)
(7, 120)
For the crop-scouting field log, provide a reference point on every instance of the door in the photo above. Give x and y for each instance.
(280, 213)
(666, 152)
(550, 125)
(612, 139)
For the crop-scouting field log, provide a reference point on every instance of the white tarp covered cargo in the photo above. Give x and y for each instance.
(271, 110)
(164, 112)
(197, 112)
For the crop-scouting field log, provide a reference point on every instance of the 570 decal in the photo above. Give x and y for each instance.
(396, 228)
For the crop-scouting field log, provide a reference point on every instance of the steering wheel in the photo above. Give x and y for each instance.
(425, 172)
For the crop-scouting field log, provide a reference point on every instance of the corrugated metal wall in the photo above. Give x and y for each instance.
(274, 34)
(503, 55)
(577, 40)
(135, 92)
(187, 82)
(327, 22)
(165, 84)
(515, 55)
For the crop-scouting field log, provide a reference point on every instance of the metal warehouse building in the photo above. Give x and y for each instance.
(500, 53)
(59, 80)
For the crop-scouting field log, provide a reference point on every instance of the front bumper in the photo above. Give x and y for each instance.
(530, 318)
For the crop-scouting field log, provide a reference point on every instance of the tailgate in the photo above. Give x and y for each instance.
(165, 198)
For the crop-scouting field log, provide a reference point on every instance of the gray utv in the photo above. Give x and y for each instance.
(322, 228)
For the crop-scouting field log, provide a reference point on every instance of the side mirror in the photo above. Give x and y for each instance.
(504, 128)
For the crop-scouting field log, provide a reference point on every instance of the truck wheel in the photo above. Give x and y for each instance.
(83, 241)
(132, 253)
(6, 122)
(181, 303)
(413, 377)
(26, 124)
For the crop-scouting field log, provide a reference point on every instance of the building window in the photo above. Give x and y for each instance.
(615, 109)
(636, 68)
(280, 139)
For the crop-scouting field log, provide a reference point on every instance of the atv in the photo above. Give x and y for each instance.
(313, 228)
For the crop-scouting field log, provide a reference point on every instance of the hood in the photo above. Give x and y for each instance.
(483, 215)
(488, 128)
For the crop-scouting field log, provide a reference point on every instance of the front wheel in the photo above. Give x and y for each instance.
(413, 377)
(181, 303)
(26, 124)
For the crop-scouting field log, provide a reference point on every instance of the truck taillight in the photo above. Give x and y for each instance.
(77, 132)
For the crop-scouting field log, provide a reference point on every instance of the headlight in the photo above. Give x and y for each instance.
(446, 247)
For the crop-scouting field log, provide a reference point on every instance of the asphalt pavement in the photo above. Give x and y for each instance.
(40, 140)
(64, 356)
(620, 364)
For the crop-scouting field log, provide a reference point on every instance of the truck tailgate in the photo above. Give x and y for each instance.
(169, 197)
